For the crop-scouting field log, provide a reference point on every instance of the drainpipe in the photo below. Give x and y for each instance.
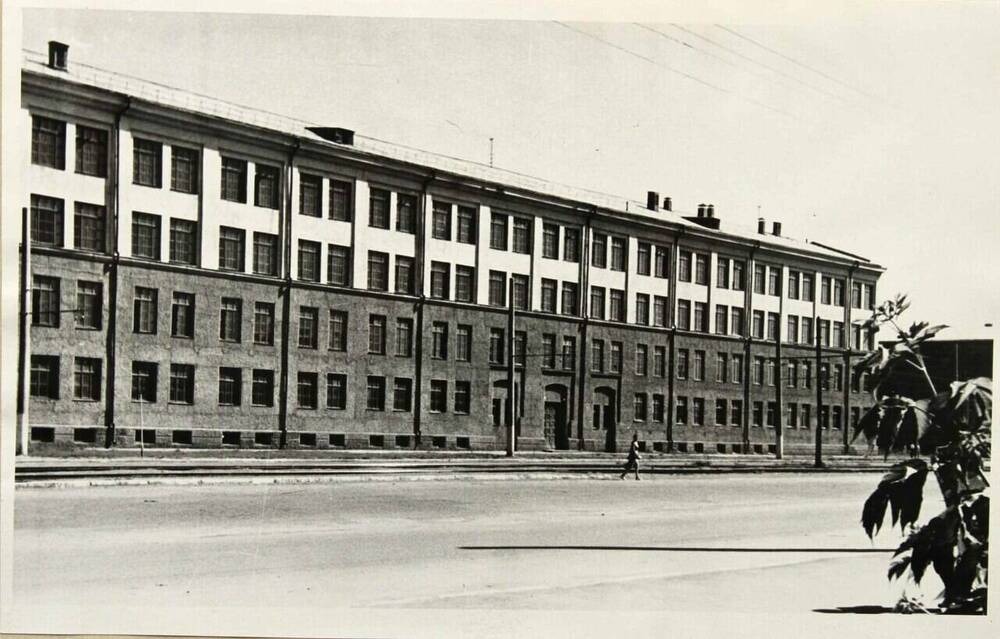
(581, 295)
(421, 251)
(285, 224)
(748, 341)
(846, 384)
(672, 322)
(111, 337)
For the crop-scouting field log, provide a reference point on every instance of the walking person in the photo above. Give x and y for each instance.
(632, 463)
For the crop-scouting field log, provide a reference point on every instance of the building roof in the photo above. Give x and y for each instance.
(190, 101)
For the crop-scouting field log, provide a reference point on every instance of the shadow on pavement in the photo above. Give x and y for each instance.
(683, 549)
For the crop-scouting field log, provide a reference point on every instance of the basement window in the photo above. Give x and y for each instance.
(181, 437)
(376, 441)
(402, 441)
(463, 443)
(230, 438)
(85, 435)
(43, 434)
(145, 436)
(263, 439)
(439, 442)
(338, 439)
(307, 439)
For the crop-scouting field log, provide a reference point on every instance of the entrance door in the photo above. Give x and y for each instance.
(555, 423)
(605, 415)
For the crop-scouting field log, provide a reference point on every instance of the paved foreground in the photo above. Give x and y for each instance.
(432, 552)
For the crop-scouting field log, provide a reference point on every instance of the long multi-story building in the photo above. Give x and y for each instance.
(204, 274)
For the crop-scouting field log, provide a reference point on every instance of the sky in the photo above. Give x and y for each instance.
(874, 131)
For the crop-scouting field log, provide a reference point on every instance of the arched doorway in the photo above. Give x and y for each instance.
(556, 416)
(605, 416)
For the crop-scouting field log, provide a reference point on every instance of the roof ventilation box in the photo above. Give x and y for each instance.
(334, 134)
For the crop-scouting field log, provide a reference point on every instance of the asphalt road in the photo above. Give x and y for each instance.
(669, 544)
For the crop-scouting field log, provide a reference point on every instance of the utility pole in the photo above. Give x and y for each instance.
(23, 360)
(819, 395)
(779, 433)
(511, 386)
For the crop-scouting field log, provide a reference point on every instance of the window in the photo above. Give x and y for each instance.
(46, 221)
(183, 235)
(791, 375)
(641, 359)
(144, 307)
(230, 386)
(838, 334)
(376, 334)
(772, 414)
(89, 305)
(498, 232)
(758, 325)
(683, 359)
(774, 281)
(769, 369)
(376, 393)
(870, 296)
(263, 323)
(698, 404)
(758, 371)
(404, 337)
(722, 273)
(617, 307)
(807, 374)
(267, 189)
(147, 156)
(520, 347)
(402, 393)
(568, 353)
(341, 200)
(441, 221)
(792, 330)
(838, 377)
(806, 416)
(404, 275)
(522, 296)
(465, 283)
(308, 327)
(497, 346)
(439, 396)
(838, 292)
(231, 248)
(617, 254)
(548, 350)
(793, 416)
(439, 340)
(463, 343)
(823, 331)
(89, 227)
(338, 267)
(86, 378)
(522, 236)
(736, 412)
(758, 415)
(550, 241)
(662, 263)
(549, 295)
(698, 368)
(569, 301)
(466, 225)
(659, 311)
(721, 367)
(807, 330)
(440, 280)
(597, 356)
(736, 321)
(643, 258)
(657, 407)
(639, 407)
(759, 275)
(307, 390)
(183, 170)
(684, 266)
(309, 261)
(144, 382)
(681, 411)
(615, 365)
(231, 319)
(336, 391)
(571, 245)
(44, 380)
(338, 330)
(146, 235)
(265, 254)
(642, 309)
(772, 327)
(807, 287)
(825, 293)
(721, 319)
(181, 384)
(793, 285)
(406, 213)
(701, 317)
(463, 397)
(597, 302)
(262, 387)
(739, 278)
(599, 251)
(701, 269)
(378, 271)
(234, 180)
(659, 361)
(736, 361)
(310, 200)
(182, 315)
(721, 410)
(48, 142)
(498, 288)
(684, 315)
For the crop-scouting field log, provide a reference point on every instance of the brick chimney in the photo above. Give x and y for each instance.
(653, 201)
(58, 55)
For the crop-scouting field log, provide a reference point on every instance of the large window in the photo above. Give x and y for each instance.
(722, 272)
(376, 393)
(378, 212)
(308, 327)
(144, 376)
(307, 390)
(145, 235)
(338, 330)
(263, 323)
(522, 294)
(406, 213)
(48, 142)
(341, 200)
(89, 304)
(46, 221)
(262, 387)
(641, 359)
(684, 266)
(231, 248)
(309, 255)
(147, 159)
(230, 386)
(497, 346)
(465, 283)
(144, 315)
(310, 198)
(265, 254)
(376, 334)
(618, 253)
(549, 295)
(89, 227)
(440, 280)
(463, 397)
(231, 319)
(234, 180)
(498, 288)
(267, 188)
(597, 356)
(617, 307)
(402, 393)
(570, 303)
(441, 221)
(498, 232)
(571, 244)
(599, 251)
(522, 236)
(597, 294)
(378, 271)
(338, 266)
(550, 241)
(439, 396)
(336, 391)
(181, 384)
(182, 315)
(701, 269)
(183, 235)
(404, 337)
(683, 318)
(439, 340)
(662, 264)
(183, 170)
(86, 379)
(642, 308)
(466, 225)
(463, 343)
(44, 380)
(91, 151)
(404, 275)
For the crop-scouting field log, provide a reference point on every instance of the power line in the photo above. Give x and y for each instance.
(679, 72)
(796, 62)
